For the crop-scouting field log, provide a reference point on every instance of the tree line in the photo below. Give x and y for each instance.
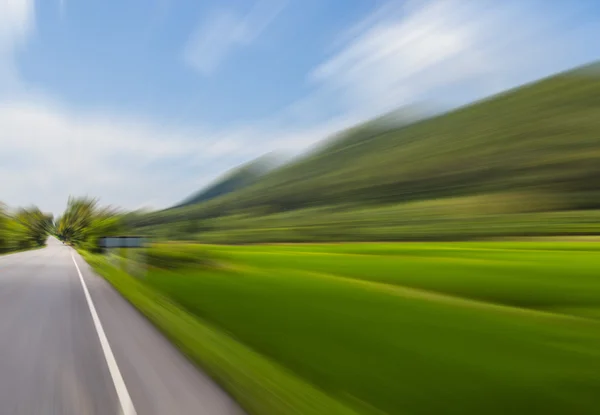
(84, 222)
(24, 229)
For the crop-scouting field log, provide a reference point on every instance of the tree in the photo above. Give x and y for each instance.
(25, 229)
(83, 223)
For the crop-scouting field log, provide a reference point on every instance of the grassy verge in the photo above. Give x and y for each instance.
(258, 384)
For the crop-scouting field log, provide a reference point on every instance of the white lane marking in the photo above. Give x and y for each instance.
(124, 398)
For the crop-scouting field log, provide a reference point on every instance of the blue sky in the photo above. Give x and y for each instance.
(142, 102)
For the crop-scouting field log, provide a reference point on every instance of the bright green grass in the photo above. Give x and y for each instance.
(536, 275)
(414, 328)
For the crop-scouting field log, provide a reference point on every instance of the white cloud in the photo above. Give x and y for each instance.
(216, 37)
(16, 22)
(51, 152)
(16, 18)
(62, 8)
(446, 50)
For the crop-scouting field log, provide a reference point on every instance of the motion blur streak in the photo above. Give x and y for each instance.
(300, 208)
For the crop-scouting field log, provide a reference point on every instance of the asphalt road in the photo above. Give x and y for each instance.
(54, 360)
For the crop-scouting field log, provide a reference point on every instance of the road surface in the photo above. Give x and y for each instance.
(65, 352)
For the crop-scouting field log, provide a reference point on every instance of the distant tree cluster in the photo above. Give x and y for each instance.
(84, 222)
(27, 228)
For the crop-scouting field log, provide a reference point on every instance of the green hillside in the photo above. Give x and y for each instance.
(234, 180)
(535, 148)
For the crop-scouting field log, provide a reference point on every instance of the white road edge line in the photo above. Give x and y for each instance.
(124, 398)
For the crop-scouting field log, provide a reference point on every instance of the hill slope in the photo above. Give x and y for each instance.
(540, 141)
(234, 180)
(546, 134)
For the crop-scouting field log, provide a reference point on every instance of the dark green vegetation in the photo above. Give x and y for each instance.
(468, 218)
(178, 256)
(83, 223)
(24, 229)
(237, 179)
(526, 162)
(380, 328)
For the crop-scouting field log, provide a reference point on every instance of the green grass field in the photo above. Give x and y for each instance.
(399, 328)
